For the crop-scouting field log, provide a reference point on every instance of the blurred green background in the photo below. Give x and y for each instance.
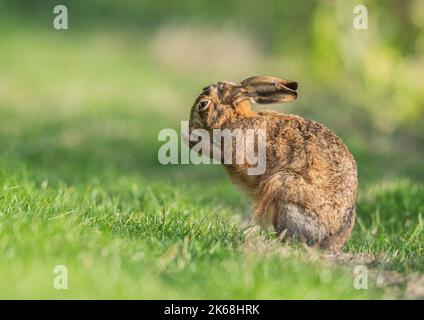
(150, 59)
(80, 111)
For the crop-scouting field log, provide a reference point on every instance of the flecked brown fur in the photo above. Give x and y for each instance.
(310, 184)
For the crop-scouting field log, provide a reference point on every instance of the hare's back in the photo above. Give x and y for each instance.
(307, 147)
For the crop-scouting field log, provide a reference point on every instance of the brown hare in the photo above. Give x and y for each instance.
(308, 190)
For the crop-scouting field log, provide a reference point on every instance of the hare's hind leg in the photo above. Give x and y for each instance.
(280, 194)
(298, 224)
(338, 239)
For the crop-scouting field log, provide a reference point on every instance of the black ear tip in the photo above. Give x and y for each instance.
(292, 85)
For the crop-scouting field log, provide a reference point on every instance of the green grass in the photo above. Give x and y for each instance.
(80, 186)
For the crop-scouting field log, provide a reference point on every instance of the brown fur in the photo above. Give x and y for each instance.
(310, 184)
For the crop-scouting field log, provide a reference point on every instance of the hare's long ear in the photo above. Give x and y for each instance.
(266, 89)
(232, 93)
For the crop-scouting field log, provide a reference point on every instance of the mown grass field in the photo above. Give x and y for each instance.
(81, 186)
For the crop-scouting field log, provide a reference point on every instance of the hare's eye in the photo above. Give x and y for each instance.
(203, 105)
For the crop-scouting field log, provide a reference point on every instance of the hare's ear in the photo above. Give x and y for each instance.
(266, 89)
(233, 94)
